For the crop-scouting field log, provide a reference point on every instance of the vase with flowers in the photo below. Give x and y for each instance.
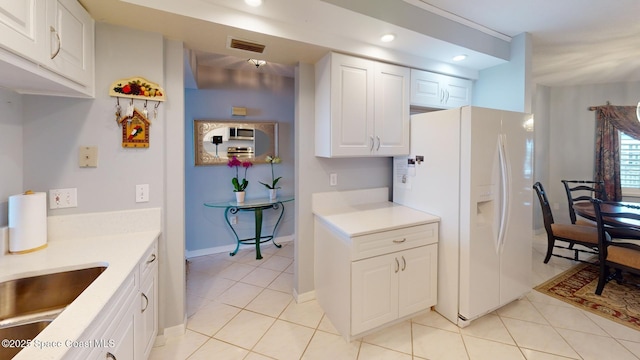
(274, 181)
(239, 186)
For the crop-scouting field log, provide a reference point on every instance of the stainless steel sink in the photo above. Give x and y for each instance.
(40, 293)
(16, 336)
(29, 304)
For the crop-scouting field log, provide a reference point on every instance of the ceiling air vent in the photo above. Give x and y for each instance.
(246, 45)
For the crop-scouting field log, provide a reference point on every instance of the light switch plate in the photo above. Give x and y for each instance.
(88, 156)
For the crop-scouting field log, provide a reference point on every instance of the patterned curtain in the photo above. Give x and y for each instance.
(610, 119)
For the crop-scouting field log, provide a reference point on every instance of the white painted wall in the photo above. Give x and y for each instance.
(312, 176)
(572, 133)
(10, 149)
(542, 132)
(267, 99)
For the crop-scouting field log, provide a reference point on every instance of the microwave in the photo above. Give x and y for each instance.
(238, 133)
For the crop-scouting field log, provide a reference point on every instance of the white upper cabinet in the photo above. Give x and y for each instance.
(20, 25)
(47, 47)
(439, 91)
(70, 40)
(391, 110)
(362, 107)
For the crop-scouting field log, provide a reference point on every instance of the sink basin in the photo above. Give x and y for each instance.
(29, 304)
(40, 293)
(18, 333)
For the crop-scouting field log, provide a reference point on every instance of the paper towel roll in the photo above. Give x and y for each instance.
(27, 222)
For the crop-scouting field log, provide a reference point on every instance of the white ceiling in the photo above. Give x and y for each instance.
(574, 41)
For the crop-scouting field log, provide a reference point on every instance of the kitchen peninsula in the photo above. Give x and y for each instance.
(126, 243)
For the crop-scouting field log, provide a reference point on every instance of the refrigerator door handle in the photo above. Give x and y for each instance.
(505, 190)
(372, 143)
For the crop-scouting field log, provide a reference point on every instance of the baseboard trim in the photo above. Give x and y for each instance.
(171, 332)
(304, 297)
(229, 248)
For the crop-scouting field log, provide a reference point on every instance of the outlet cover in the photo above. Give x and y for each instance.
(63, 198)
(88, 156)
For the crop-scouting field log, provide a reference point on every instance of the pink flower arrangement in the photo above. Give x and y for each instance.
(237, 184)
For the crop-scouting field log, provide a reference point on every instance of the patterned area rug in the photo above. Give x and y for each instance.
(577, 286)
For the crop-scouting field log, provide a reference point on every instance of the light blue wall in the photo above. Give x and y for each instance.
(206, 231)
(508, 86)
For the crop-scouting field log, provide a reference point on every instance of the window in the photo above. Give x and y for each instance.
(629, 165)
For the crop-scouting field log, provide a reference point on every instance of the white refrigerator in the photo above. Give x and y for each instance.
(473, 168)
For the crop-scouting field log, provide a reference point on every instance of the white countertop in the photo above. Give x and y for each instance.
(362, 219)
(120, 252)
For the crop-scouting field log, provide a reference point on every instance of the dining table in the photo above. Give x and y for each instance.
(587, 211)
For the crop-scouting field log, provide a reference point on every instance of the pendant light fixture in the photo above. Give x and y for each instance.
(257, 63)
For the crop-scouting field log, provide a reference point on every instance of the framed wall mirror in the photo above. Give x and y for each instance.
(217, 141)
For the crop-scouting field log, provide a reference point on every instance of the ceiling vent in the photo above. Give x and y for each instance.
(245, 45)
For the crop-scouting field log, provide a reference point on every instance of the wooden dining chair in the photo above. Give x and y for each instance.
(582, 190)
(617, 254)
(572, 234)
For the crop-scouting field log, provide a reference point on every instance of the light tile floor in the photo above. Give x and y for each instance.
(242, 308)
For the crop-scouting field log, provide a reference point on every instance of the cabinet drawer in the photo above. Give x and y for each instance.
(149, 261)
(393, 240)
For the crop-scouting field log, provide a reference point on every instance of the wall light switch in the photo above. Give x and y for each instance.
(142, 193)
(333, 179)
(88, 156)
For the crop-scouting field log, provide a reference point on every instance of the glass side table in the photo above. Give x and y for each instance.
(256, 206)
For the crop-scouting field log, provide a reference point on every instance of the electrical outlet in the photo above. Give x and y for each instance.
(233, 220)
(142, 193)
(63, 198)
(333, 179)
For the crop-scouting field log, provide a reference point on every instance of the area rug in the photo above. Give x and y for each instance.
(577, 286)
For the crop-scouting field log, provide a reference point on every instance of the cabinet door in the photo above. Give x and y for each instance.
(417, 279)
(71, 41)
(21, 25)
(392, 88)
(120, 336)
(426, 89)
(148, 320)
(352, 107)
(457, 92)
(374, 300)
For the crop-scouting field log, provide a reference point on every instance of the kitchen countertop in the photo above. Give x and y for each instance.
(119, 252)
(363, 212)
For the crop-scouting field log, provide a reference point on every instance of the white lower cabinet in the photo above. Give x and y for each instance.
(121, 335)
(127, 327)
(148, 318)
(366, 282)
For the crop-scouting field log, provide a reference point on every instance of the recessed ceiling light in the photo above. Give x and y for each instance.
(387, 37)
(254, 3)
(459, 57)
